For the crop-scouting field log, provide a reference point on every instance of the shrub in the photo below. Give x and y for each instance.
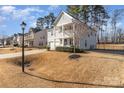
(15, 45)
(74, 56)
(69, 49)
(48, 48)
(42, 47)
(19, 63)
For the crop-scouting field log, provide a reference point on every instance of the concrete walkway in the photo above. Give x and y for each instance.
(13, 55)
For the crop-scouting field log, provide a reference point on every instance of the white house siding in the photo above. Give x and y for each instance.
(19, 40)
(40, 39)
(90, 40)
(57, 35)
(64, 19)
(50, 39)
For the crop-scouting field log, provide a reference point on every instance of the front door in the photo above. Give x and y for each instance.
(52, 47)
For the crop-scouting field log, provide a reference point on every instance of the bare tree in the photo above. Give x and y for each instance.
(116, 17)
(119, 35)
(3, 38)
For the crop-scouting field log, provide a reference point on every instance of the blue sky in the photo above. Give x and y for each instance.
(12, 16)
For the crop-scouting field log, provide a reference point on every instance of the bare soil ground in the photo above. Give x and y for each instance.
(92, 69)
(111, 46)
(13, 50)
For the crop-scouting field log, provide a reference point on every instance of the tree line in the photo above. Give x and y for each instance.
(96, 17)
(45, 22)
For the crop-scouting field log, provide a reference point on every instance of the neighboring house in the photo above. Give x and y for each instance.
(1, 43)
(14, 39)
(29, 38)
(68, 31)
(40, 38)
(17, 39)
(8, 41)
(120, 38)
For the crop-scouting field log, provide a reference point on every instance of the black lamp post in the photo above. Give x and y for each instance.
(23, 25)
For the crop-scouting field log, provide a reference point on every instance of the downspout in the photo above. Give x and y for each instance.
(74, 37)
(54, 40)
(63, 35)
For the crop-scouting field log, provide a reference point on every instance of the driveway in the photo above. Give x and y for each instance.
(12, 55)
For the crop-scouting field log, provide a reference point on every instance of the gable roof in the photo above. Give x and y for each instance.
(60, 15)
(71, 17)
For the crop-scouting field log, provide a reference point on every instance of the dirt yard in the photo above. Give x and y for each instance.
(13, 50)
(92, 69)
(111, 46)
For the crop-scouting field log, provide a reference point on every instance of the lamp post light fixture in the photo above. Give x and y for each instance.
(23, 25)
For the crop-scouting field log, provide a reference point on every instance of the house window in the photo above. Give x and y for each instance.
(60, 29)
(91, 33)
(88, 35)
(43, 37)
(68, 27)
(85, 43)
(71, 41)
(39, 43)
(51, 32)
(95, 34)
(49, 44)
(65, 41)
(75, 26)
(92, 46)
(42, 43)
(60, 41)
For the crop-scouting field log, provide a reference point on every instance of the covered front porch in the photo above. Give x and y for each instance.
(28, 43)
(66, 42)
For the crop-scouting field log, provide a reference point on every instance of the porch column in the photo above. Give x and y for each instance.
(62, 35)
(54, 37)
(74, 36)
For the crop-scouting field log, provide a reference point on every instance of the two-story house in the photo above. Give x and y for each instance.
(29, 38)
(40, 38)
(69, 31)
(17, 39)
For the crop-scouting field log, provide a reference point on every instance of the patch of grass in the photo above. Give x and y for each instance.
(111, 46)
(69, 49)
(90, 67)
(13, 50)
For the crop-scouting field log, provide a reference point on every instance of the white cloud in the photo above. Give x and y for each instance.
(119, 24)
(28, 14)
(25, 13)
(7, 9)
(53, 7)
(34, 9)
(20, 13)
(2, 19)
(3, 26)
(32, 24)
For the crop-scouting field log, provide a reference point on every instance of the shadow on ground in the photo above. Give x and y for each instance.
(120, 52)
(70, 82)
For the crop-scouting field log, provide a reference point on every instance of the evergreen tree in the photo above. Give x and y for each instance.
(45, 22)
